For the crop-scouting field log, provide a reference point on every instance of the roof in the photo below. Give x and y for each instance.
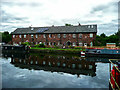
(57, 29)
(110, 43)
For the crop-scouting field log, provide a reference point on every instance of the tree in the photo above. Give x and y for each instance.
(6, 37)
(68, 24)
(103, 39)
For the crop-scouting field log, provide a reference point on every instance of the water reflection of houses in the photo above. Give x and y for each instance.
(66, 64)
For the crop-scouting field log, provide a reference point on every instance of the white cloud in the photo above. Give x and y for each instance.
(59, 12)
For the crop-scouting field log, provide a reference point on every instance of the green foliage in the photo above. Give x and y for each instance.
(6, 37)
(68, 24)
(40, 45)
(26, 43)
(103, 39)
(37, 45)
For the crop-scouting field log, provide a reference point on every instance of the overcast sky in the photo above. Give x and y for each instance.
(23, 13)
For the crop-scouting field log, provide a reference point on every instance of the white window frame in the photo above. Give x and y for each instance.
(36, 36)
(20, 36)
(92, 26)
(44, 36)
(80, 35)
(58, 43)
(74, 43)
(80, 43)
(49, 35)
(31, 35)
(36, 42)
(91, 35)
(58, 35)
(24, 36)
(40, 42)
(44, 43)
(13, 36)
(64, 35)
(74, 35)
(19, 42)
(49, 43)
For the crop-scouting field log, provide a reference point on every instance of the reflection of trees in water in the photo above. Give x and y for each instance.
(56, 63)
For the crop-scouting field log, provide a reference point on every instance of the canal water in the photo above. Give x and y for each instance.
(38, 70)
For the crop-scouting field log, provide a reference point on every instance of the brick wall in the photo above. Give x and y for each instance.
(54, 39)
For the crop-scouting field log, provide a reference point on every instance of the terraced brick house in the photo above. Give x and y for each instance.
(81, 35)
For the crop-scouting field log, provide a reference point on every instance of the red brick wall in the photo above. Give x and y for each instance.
(54, 38)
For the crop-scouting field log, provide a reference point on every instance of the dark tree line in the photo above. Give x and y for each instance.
(102, 39)
(6, 37)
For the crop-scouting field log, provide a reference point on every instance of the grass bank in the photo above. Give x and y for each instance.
(56, 50)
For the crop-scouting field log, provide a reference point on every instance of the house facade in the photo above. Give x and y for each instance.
(81, 35)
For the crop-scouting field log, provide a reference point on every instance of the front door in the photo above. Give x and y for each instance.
(68, 43)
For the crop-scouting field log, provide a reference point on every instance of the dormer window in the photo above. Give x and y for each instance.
(92, 26)
(32, 28)
(89, 26)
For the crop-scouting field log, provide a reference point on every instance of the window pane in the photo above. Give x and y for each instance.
(80, 35)
(74, 35)
(91, 35)
(64, 35)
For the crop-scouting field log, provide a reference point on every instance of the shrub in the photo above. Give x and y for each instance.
(37, 45)
(26, 43)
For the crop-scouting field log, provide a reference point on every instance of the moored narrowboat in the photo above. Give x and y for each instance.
(103, 52)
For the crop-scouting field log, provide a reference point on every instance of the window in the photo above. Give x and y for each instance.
(80, 44)
(58, 43)
(91, 35)
(32, 28)
(39, 35)
(49, 43)
(20, 36)
(54, 43)
(64, 35)
(89, 26)
(40, 42)
(92, 26)
(36, 42)
(74, 35)
(90, 66)
(73, 65)
(31, 35)
(74, 43)
(44, 36)
(58, 35)
(80, 35)
(49, 35)
(13, 36)
(36, 36)
(44, 43)
(24, 36)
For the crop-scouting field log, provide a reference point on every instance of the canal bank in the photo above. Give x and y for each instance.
(58, 51)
